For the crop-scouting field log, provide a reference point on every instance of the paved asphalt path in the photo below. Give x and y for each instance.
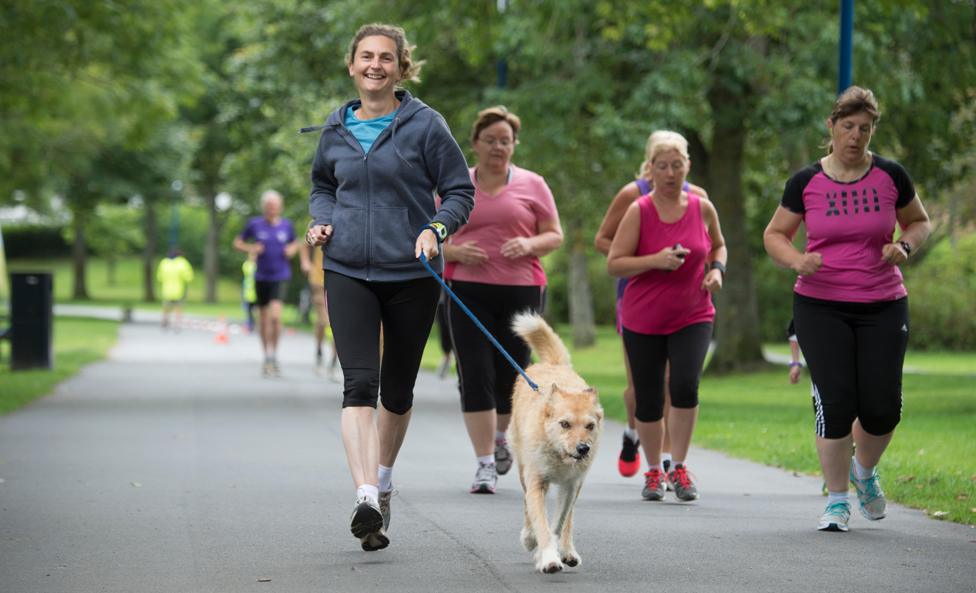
(174, 467)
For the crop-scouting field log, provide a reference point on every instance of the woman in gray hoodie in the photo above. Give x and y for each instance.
(380, 161)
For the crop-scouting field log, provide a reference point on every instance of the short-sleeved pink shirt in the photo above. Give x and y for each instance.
(516, 211)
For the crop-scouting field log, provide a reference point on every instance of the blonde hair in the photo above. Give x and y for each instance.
(662, 141)
(493, 115)
(409, 70)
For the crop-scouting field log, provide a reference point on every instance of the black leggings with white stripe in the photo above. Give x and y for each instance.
(855, 353)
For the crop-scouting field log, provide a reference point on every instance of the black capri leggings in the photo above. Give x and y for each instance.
(648, 355)
(855, 353)
(485, 378)
(356, 308)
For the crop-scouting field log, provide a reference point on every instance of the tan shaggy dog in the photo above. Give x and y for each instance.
(554, 434)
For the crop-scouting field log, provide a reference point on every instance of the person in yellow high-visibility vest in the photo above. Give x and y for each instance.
(249, 292)
(174, 275)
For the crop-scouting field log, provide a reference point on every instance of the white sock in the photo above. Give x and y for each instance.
(833, 497)
(368, 491)
(500, 436)
(486, 459)
(659, 466)
(386, 478)
(631, 434)
(860, 471)
(666, 457)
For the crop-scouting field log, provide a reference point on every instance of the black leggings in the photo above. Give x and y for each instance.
(485, 378)
(649, 354)
(855, 353)
(356, 308)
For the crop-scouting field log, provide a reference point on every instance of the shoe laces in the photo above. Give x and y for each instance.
(680, 476)
(652, 479)
(486, 472)
(840, 508)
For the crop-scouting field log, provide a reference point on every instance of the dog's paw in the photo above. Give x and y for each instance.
(571, 558)
(528, 539)
(548, 562)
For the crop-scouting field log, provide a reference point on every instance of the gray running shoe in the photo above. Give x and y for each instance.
(385, 506)
(870, 497)
(835, 517)
(367, 525)
(653, 485)
(503, 458)
(485, 479)
(682, 483)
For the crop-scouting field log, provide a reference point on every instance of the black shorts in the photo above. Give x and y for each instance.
(855, 353)
(269, 290)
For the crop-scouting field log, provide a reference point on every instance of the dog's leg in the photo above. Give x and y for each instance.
(564, 529)
(528, 535)
(546, 555)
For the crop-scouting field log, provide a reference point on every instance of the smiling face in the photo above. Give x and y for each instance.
(668, 171)
(375, 68)
(495, 145)
(851, 136)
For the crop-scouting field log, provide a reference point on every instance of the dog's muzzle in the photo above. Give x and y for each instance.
(582, 450)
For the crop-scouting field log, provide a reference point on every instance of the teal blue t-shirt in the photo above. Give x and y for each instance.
(367, 130)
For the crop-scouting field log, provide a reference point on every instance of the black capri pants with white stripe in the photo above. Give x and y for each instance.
(855, 353)
(485, 378)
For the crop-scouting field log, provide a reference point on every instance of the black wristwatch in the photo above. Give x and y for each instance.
(906, 246)
(717, 265)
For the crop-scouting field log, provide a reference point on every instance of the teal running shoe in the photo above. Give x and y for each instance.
(870, 497)
(835, 517)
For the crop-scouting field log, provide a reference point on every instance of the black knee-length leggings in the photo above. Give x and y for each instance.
(855, 352)
(356, 309)
(485, 378)
(649, 354)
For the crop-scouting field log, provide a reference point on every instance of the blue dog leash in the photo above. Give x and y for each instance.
(491, 338)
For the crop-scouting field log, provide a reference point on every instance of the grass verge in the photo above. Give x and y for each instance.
(77, 342)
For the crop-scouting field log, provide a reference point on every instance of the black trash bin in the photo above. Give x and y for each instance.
(31, 320)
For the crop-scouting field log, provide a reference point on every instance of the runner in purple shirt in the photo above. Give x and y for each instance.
(272, 239)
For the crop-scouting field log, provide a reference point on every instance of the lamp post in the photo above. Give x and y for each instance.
(844, 72)
(174, 221)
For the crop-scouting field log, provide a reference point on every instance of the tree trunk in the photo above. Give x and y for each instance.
(110, 270)
(212, 248)
(149, 252)
(79, 255)
(580, 296)
(739, 346)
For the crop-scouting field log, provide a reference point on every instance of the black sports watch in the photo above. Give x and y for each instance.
(906, 246)
(440, 231)
(717, 265)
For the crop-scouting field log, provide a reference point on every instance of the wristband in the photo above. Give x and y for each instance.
(796, 363)
(439, 230)
(906, 246)
(717, 265)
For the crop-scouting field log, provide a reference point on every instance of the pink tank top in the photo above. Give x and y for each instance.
(662, 302)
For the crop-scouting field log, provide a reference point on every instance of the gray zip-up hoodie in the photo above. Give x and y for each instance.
(377, 203)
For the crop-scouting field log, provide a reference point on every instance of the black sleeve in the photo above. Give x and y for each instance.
(901, 178)
(793, 192)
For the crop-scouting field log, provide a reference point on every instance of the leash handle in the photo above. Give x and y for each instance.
(484, 330)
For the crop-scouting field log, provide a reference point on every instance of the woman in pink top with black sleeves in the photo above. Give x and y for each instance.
(493, 266)
(850, 307)
(670, 245)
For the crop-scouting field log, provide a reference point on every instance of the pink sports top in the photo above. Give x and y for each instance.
(662, 302)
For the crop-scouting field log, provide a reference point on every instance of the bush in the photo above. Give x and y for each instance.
(941, 288)
(33, 241)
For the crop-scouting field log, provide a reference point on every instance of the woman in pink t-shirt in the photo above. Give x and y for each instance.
(670, 245)
(493, 266)
(850, 307)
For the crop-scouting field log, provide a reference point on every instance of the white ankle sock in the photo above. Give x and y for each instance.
(631, 434)
(368, 491)
(486, 459)
(500, 436)
(833, 497)
(666, 457)
(386, 478)
(860, 471)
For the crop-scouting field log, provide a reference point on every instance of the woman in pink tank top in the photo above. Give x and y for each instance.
(670, 245)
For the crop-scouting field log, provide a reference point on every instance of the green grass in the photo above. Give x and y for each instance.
(77, 342)
(931, 463)
(939, 363)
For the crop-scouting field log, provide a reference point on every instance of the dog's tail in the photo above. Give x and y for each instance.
(541, 338)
